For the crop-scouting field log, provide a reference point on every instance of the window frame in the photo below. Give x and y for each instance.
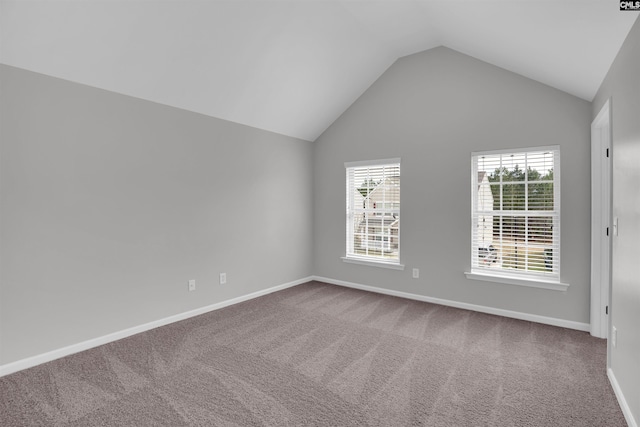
(512, 276)
(351, 211)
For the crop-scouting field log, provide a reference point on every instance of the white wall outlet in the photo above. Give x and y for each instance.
(416, 273)
(614, 336)
(192, 285)
(223, 278)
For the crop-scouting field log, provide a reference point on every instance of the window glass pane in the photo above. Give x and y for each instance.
(540, 230)
(487, 195)
(490, 164)
(540, 196)
(513, 197)
(540, 166)
(359, 231)
(512, 228)
(513, 167)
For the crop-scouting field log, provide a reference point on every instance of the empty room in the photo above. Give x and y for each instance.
(310, 212)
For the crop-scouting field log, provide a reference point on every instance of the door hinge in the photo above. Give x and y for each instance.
(606, 310)
(607, 152)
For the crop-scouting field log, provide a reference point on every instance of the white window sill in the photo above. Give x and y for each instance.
(509, 280)
(370, 263)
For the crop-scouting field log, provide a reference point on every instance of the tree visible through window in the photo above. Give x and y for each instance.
(516, 212)
(373, 210)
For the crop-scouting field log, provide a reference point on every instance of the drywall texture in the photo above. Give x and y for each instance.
(433, 109)
(623, 87)
(110, 204)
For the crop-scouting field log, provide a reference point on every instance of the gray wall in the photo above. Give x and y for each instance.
(623, 87)
(110, 204)
(433, 109)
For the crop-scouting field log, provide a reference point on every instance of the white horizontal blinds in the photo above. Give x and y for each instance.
(373, 211)
(516, 213)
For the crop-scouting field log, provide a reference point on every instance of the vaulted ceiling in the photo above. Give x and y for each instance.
(295, 66)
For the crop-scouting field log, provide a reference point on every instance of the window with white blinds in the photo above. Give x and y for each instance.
(373, 211)
(516, 213)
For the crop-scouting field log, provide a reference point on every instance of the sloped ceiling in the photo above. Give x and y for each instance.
(293, 67)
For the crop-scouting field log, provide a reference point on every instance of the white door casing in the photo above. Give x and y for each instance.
(601, 230)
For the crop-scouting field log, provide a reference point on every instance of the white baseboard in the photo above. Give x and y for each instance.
(95, 342)
(473, 307)
(621, 400)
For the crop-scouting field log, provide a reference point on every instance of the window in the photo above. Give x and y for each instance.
(373, 211)
(515, 214)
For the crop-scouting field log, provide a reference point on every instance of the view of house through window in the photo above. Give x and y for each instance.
(373, 210)
(516, 213)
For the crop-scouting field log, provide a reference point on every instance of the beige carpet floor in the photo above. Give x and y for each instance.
(318, 354)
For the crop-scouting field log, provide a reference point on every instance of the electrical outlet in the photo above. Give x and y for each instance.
(192, 285)
(614, 336)
(223, 278)
(416, 273)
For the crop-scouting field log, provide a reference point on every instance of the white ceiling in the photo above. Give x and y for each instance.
(293, 67)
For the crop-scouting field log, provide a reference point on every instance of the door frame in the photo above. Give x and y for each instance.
(601, 229)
